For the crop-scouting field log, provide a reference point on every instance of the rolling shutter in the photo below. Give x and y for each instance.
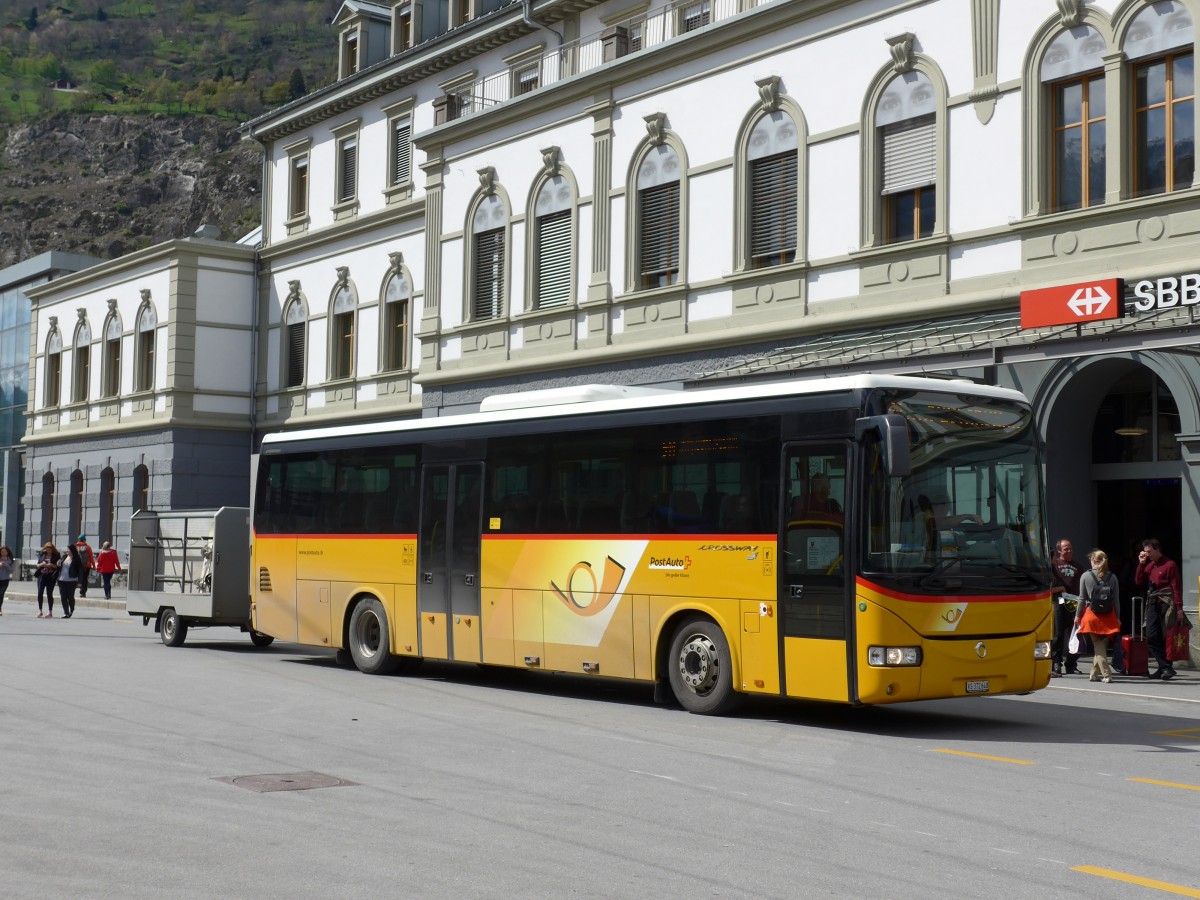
(773, 206)
(554, 260)
(349, 170)
(488, 294)
(909, 155)
(295, 370)
(658, 214)
(402, 152)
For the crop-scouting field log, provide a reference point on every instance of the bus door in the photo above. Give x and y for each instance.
(448, 598)
(814, 595)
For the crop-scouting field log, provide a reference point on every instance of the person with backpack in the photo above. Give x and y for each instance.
(1099, 595)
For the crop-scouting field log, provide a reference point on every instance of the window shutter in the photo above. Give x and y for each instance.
(349, 170)
(402, 153)
(909, 155)
(773, 206)
(488, 294)
(554, 260)
(295, 355)
(658, 214)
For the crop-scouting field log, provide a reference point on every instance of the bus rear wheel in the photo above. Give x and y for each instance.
(700, 668)
(369, 639)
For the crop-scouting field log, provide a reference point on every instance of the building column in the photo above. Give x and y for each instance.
(600, 285)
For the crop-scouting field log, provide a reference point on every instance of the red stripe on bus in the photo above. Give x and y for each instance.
(707, 538)
(951, 598)
(334, 537)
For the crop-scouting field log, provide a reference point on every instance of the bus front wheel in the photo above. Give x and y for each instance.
(701, 669)
(369, 639)
(171, 628)
(258, 639)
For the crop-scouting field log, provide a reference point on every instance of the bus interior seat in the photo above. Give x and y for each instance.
(596, 517)
(738, 513)
(684, 511)
(635, 513)
(551, 517)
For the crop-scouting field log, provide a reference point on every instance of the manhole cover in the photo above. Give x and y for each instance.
(285, 781)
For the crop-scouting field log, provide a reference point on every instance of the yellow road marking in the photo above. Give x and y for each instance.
(1174, 784)
(1017, 762)
(1182, 732)
(1134, 879)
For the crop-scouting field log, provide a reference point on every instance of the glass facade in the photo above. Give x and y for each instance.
(14, 366)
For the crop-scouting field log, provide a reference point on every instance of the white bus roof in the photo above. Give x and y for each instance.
(546, 404)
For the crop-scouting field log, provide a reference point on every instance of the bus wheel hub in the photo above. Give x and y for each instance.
(698, 663)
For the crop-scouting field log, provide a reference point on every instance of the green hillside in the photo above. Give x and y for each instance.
(234, 58)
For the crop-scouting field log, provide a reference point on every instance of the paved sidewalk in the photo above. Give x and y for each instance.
(22, 592)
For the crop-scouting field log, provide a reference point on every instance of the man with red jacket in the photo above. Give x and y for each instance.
(1161, 575)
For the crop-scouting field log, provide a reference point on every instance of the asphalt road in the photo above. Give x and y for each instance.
(125, 769)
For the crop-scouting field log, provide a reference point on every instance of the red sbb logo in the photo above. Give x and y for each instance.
(1071, 304)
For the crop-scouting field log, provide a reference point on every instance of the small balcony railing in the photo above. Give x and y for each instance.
(633, 35)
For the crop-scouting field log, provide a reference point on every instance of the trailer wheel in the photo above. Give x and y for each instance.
(171, 628)
(258, 639)
(369, 639)
(701, 669)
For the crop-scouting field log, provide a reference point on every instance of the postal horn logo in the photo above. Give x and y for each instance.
(602, 592)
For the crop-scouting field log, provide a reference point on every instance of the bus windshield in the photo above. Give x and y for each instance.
(966, 518)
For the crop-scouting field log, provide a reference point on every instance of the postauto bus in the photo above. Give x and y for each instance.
(858, 540)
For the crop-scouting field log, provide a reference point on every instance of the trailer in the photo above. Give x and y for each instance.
(191, 569)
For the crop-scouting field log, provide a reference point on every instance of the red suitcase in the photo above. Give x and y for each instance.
(1137, 655)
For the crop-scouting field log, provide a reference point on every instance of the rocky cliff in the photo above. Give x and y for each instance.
(106, 185)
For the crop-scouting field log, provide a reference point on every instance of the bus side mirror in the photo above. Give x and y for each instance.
(893, 436)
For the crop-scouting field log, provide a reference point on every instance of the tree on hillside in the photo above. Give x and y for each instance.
(31, 23)
(296, 86)
(101, 15)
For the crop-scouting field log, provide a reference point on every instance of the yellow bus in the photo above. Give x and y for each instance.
(858, 540)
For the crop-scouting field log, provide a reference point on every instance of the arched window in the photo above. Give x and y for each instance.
(108, 503)
(906, 119)
(295, 328)
(146, 325)
(75, 515)
(397, 306)
(489, 258)
(772, 191)
(343, 306)
(1072, 72)
(1159, 44)
(53, 389)
(141, 488)
(657, 217)
(47, 507)
(82, 364)
(553, 256)
(111, 374)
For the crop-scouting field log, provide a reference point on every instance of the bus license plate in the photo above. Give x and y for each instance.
(977, 687)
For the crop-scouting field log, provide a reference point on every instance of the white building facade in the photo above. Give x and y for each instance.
(535, 194)
(141, 373)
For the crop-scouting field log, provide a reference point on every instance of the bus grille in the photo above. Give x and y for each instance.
(264, 579)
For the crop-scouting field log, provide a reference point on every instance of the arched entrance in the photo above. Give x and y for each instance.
(1115, 467)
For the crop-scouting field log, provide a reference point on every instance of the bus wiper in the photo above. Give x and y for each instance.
(940, 566)
(1024, 573)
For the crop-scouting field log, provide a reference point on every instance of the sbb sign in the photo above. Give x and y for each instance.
(1071, 304)
(1163, 293)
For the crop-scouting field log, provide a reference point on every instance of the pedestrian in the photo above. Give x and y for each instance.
(1065, 591)
(70, 567)
(47, 575)
(1096, 615)
(87, 561)
(6, 569)
(107, 562)
(1160, 574)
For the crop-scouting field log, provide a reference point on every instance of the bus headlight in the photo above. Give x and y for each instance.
(1041, 650)
(894, 656)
